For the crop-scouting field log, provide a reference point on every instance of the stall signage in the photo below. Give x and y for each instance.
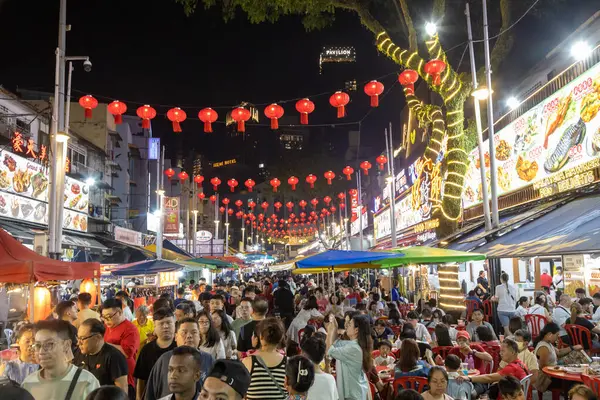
(128, 236)
(203, 236)
(401, 182)
(354, 204)
(560, 133)
(24, 194)
(27, 147)
(355, 225)
(570, 179)
(153, 148)
(406, 216)
(427, 225)
(168, 279)
(171, 215)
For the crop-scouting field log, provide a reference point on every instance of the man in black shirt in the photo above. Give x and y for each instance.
(67, 311)
(104, 361)
(259, 311)
(283, 299)
(164, 329)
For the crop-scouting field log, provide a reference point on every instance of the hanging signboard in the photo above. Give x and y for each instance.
(128, 236)
(171, 215)
(203, 236)
(24, 192)
(355, 225)
(553, 146)
(153, 148)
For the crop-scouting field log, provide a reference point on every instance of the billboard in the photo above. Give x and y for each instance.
(553, 146)
(24, 186)
(171, 215)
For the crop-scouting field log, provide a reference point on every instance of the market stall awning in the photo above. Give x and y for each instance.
(570, 229)
(323, 270)
(167, 254)
(148, 267)
(168, 245)
(332, 258)
(429, 255)
(87, 244)
(208, 262)
(18, 264)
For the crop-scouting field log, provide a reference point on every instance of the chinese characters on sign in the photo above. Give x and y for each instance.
(171, 215)
(20, 145)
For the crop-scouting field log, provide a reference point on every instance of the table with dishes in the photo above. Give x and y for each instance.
(386, 373)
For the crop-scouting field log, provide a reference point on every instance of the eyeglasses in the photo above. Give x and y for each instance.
(46, 346)
(83, 339)
(203, 322)
(109, 317)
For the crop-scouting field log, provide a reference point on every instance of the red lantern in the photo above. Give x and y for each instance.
(251, 204)
(183, 176)
(275, 183)
(365, 166)
(381, 161)
(293, 181)
(239, 203)
(348, 171)
(274, 112)
(239, 214)
(117, 109)
(249, 184)
(208, 116)
(302, 203)
(329, 175)
(230, 211)
(88, 103)
(374, 89)
(435, 69)
(332, 208)
(277, 205)
(339, 100)
(314, 202)
(311, 179)
(221, 209)
(146, 113)
(215, 182)
(201, 195)
(407, 78)
(232, 183)
(176, 116)
(304, 107)
(264, 205)
(289, 205)
(225, 201)
(327, 200)
(353, 192)
(240, 115)
(341, 196)
(213, 198)
(169, 172)
(198, 179)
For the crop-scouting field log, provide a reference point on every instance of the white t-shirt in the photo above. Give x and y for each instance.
(559, 281)
(507, 297)
(324, 388)
(56, 389)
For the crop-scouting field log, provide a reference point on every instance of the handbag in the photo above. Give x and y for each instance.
(268, 371)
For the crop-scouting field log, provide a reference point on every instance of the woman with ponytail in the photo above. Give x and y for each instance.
(506, 296)
(578, 319)
(299, 377)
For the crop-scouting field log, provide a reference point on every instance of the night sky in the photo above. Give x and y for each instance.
(150, 52)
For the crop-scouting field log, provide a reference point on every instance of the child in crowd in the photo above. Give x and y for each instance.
(384, 359)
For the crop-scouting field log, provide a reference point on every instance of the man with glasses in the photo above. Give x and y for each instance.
(188, 334)
(57, 378)
(104, 361)
(242, 315)
(123, 335)
(164, 329)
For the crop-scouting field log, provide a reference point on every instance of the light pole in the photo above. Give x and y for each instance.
(390, 152)
(360, 206)
(486, 204)
(227, 229)
(243, 233)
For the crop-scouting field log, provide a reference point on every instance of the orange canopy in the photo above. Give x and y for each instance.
(18, 264)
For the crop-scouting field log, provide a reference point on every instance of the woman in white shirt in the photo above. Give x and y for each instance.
(210, 341)
(506, 298)
(523, 307)
(324, 386)
(310, 311)
(226, 333)
(540, 308)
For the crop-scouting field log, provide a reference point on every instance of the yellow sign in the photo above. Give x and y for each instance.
(570, 179)
(168, 279)
(224, 163)
(427, 225)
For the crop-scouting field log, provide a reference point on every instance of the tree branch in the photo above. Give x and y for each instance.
(412, 34)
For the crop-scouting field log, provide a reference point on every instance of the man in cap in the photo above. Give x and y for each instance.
(465, 348)
(228, 380)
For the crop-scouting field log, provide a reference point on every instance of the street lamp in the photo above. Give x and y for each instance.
(90, 181)
(581, 50)
(512, 103)
(481, 93)
(431, 28)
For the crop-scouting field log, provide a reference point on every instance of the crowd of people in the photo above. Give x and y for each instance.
(278, 338)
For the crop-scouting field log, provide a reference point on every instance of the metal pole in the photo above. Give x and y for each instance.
(486, 200)
(52, 209)
(490, 109)
(227, 229)
(195, 212)
(160, 163)
(390, 153)
(186, 193)
(345, 221)
(360, 207)
(243, 233)
(68, 111)
(217, 216)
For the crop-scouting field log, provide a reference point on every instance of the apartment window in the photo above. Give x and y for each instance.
(77, 155)
(22, 126)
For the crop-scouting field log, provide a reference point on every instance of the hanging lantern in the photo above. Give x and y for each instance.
(311, 179)
(230, 211)
(88, 286)
(170, 173)
(329, 175)
(365, 166)
(42, 303)
(293, 181)
(239, 203)
(407, 79)
(198, 179)
(146, 113)
(183, 176)
(289, 205)
(222, 210)
(314, 202)
(176, 116)
(332, 208)
(327, 200)
(264, 205)
(275, 183)
(201, 195)
(353, 192)
(213, 198)
(251, 204)
(215, 182)
(435, 69)
(274, 112)
(381, 161)
(225, 201)
(239, 214)
(339, 100)
(249, 184)
(302, 204)
(304, 107)
(240, 115)
(232, 183)
(277, 205)
(117, 109)
(88, 103)
(374, 89)
(348, 171)
(208, 116)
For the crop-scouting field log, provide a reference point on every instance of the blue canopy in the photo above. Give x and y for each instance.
(170, 246)
(147, 267)
(332, 258)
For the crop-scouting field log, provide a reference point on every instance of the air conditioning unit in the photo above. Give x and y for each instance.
(40, 243)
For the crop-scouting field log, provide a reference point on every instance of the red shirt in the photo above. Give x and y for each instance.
(546, 280)
(479, 363)
(127, 336)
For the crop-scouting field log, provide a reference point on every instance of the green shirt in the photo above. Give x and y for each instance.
(237, 324)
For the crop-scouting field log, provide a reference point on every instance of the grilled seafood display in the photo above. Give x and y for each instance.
(39, 183)
(557, 118)
(572, 136)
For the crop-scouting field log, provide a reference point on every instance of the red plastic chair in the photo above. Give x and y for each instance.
(535, 323)
(461, 327)
(373, 390)
(488, 310)
(410, 382)
(471, 305)
(592, 382)
(300, 334)
(493, 351)
(581, 336)
(442, 351)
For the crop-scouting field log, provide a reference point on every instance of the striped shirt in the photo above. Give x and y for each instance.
(262, 386)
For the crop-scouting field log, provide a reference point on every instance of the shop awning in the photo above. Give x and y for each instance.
(122, 253)
(167, 254)
(168, 245)
(331, 258)
(323, 270)
(571, 229)
(148, 267)
(429, 255)
(88, 244)
(20, 232)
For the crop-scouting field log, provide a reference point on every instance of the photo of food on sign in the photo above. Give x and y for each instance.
(560, 133)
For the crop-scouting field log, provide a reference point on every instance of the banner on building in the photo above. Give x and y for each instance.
(128, 236)
(153, 148)
(171, 215)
